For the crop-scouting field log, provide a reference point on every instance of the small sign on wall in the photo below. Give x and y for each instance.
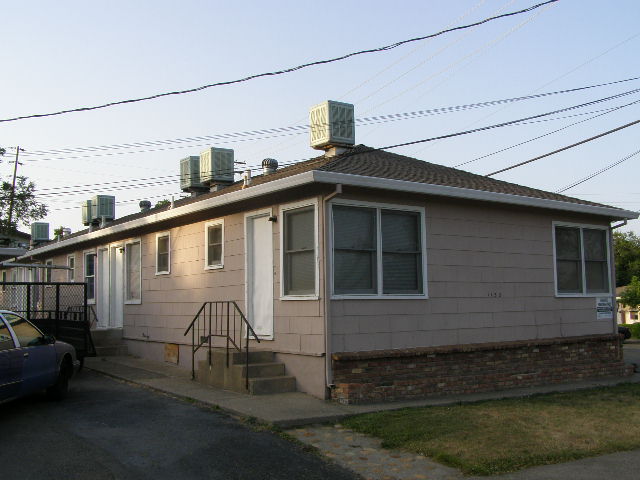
(171, 353)
(604, 308)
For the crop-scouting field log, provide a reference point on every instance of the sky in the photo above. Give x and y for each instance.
(61, 55)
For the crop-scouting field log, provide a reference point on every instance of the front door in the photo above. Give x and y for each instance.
(116, 289)
(103, 288)
(259, 273)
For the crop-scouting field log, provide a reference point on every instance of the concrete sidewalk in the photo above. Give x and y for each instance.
(290, 409)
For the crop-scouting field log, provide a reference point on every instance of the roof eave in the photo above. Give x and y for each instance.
(470, 194)
(317, 176)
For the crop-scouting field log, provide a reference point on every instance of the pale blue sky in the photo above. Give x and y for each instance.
(76, 53)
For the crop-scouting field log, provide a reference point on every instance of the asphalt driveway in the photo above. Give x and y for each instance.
(112, 430)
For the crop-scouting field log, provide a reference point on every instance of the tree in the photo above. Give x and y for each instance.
(26, 208)
(626, 247)
(162, 203)
(631, 295)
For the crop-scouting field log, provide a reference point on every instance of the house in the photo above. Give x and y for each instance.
(12, 244)
(371, 276)
(626, 314)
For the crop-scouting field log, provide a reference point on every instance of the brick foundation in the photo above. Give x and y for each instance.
(389, 375)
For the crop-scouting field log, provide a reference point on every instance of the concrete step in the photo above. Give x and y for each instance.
(267, 385)
(239, 358)
(111, 350)
(256, 370)
(108, 336)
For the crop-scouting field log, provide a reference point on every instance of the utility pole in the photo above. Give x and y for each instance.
(13, 187)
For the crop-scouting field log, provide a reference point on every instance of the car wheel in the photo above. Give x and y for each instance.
(59, 390)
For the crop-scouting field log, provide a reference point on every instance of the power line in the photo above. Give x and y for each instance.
(595, 137)
(298, 129)
(284, 71)
(504, 124)
(595, 174)
(609, 110)
(118, 185)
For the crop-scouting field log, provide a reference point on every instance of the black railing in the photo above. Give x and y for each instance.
(222, 319)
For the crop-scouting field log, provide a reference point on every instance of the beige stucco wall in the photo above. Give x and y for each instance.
(490, 278)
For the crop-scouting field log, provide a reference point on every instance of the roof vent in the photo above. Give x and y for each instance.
(269, 166)
(145, 205)
(216, 167)
(190, 175)
(39, 232)
(332, 125)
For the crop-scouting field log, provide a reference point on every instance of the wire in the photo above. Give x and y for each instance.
(299, 129)
(544, 135)
(284, 71)
(118, 185)
(504, 124)
(565, 148)
(595, 174)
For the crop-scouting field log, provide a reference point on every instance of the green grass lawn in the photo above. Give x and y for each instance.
(498, 436)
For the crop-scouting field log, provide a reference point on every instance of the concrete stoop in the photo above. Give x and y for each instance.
(265, 375)
(109, 342)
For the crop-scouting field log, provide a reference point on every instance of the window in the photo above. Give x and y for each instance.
(378, 251)
(6, 340)
(90, 274)
(132, 270)
(27, 334)
(48, 271)
(71, 263)
(214, 245)
(582, 260)
(299, 252)
(163, 253)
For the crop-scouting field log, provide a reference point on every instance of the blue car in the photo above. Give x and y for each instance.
(31, 361)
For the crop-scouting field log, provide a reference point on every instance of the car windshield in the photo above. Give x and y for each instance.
(27, 334)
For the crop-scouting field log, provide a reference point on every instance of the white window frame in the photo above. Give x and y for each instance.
(313, 202)
(206, 245)
(584, 273)
(133, 301)
(379, 206)
(48, 272)
(71, 274)
(159, 236)
(90, 301)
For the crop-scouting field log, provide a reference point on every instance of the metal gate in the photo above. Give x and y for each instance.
(57, 308)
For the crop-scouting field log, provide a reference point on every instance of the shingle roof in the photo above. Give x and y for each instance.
(366, 161)
(371, 162)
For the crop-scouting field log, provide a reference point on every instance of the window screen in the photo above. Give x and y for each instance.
(581, 257)
(355, 250)
(132, 268)
(299, 260)
(90, 275)
(162, 254)
(401, 252)
(214, 245)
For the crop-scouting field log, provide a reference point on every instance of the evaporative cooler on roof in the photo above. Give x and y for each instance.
(39, 232)
(190, 174)
(332, 125)
(103, 206)
(216, 166)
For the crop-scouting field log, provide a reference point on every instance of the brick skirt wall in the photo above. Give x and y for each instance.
(389, 375)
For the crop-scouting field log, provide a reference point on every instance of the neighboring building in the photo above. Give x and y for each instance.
(371, 275)
(625, 313)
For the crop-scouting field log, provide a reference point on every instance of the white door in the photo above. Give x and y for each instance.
(259, 273)
(116, 287)
(102, 288)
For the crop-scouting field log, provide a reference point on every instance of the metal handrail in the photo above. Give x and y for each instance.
(218, 319)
